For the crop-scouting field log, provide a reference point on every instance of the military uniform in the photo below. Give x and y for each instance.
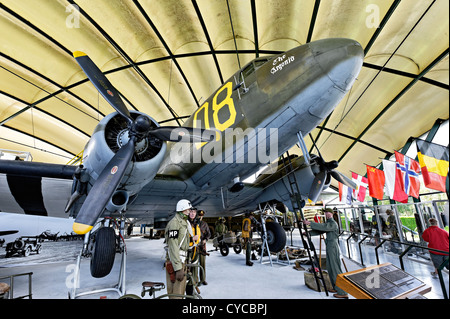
(246, 235)
(193, 256)
(332, 250)
(221, 228)
(391, 229)
(205, 235)
(177, 239)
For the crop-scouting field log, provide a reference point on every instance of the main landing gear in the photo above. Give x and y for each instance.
(101, 245)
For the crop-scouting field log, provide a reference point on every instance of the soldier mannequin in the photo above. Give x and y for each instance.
(193, 250)
(247, 236)
(205, 235)
(177, 236)
(332, 249)
(220, 229)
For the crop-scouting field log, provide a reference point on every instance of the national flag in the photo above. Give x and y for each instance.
(409, 170)
(361, 187)
(345, 194)
(393, 182)
(376, 180)
(434, 162)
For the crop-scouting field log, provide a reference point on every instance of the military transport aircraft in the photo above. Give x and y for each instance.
(135, 168)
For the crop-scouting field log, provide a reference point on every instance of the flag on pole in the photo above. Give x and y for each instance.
(345, 194)
(409, 170)
(376, 180)
(393, 182)
(361, 187)
(434, 162)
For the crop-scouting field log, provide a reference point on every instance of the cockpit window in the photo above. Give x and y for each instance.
(253, 66)
(248, 70)
(260, 62)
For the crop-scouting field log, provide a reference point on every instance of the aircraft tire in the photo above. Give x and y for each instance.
(104, 251)
(276, 236)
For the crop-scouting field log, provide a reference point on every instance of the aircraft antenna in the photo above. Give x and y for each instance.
(234, 37)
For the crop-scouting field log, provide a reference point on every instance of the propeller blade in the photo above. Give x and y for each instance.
(182, 134)
(102, 84)
(341, 178)
(103, 189)
(317, 186)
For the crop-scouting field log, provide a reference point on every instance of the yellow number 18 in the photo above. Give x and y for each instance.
(216, 107)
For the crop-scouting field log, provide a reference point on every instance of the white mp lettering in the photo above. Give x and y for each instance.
(173, 233)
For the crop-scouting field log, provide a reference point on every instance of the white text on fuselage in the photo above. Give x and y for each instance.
(280, 62)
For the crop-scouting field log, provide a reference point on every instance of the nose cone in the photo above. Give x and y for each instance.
(340, 59)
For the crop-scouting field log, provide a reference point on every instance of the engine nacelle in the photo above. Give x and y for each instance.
(109, 136)
(118, 201)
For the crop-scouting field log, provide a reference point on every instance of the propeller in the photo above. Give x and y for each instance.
(139, 128)
(103, 188)
(142, 124)
(326, 170)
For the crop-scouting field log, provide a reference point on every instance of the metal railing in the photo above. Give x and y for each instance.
(408, 248)
(11, 285)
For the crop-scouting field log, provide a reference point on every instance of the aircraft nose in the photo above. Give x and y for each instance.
(340, 59)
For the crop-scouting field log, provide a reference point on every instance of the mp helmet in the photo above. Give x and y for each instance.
(183, 204)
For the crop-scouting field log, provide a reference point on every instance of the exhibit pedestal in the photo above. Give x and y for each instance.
(384, 281)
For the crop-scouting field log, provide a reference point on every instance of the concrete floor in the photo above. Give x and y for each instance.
(228, 277)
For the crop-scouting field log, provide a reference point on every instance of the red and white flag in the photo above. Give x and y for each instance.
(376, 182)
(409, 170)
(361, 187)
(393, 182)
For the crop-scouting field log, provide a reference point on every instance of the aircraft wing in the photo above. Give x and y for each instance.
(35, 188)
(44, 189)
(36, 169)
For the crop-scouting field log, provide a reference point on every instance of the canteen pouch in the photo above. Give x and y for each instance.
(170, 271)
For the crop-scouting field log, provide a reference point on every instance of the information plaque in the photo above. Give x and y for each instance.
(384, 282)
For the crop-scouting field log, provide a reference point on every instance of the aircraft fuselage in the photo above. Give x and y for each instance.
(256, 114)
(294, 91)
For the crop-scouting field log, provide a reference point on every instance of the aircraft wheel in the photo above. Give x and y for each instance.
(104, 251)
(276, 236)
(224, 250)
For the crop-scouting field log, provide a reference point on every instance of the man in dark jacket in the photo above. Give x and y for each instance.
(205, 235)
